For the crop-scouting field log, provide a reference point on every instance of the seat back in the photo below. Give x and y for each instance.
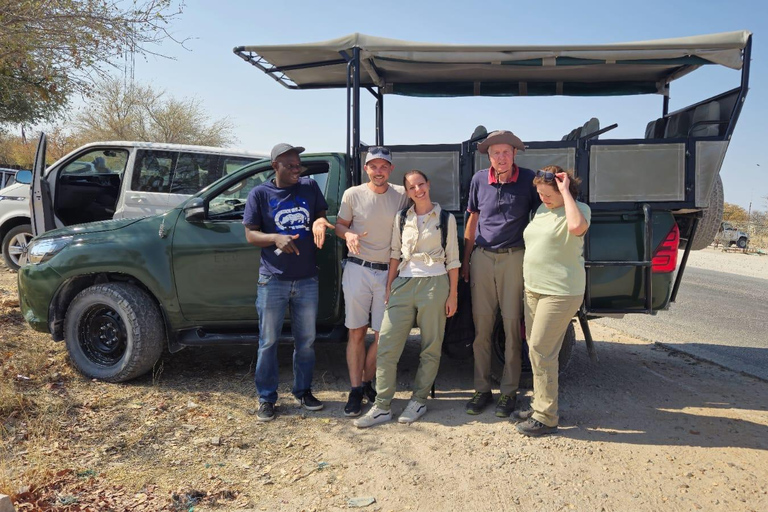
(678, 125)
(707, 112)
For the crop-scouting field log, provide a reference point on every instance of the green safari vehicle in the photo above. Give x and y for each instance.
(120, 292)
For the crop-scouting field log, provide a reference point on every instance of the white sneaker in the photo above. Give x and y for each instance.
(413, 411)
(373, 417)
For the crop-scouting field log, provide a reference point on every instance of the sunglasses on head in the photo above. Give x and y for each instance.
(548, 176)
(378, 151)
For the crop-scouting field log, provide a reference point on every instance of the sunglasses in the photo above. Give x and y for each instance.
(548, 176)
(379, 151)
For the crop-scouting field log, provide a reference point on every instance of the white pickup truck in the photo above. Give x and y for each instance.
(729, 235)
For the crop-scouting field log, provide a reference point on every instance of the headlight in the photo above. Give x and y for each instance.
(43, 250)
(13, 198)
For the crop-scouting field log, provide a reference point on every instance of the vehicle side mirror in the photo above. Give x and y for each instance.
(24, 177)
(194, 210)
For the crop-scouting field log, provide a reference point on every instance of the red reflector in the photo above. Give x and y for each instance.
(665, 257)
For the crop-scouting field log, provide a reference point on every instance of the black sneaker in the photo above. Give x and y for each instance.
(369, 392)
(354, 403)
(266, 411)
(505, 406)
(309, 402)
(478, 402)
(534, 428)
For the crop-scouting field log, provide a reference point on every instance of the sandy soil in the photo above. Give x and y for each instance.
(643, 429)
(744, 264)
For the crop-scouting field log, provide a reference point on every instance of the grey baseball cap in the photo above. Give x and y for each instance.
(375, 152)
(281, 148)
(500, 137)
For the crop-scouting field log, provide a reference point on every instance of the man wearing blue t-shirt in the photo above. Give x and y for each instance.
(501, 199)
(286, 218)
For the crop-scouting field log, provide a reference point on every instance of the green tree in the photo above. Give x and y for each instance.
(50, 49)
(128, 111)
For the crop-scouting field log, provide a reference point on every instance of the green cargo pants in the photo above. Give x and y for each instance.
(422, 298)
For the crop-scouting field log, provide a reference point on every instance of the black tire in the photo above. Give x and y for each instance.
(15, 244)
(742, 243)
(114, 332)
(709, 225)
(526, 376)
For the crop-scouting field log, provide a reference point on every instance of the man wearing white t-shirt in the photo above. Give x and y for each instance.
(365, 221)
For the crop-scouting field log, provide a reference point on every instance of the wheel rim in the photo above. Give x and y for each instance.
(17, 249)
(102, 335)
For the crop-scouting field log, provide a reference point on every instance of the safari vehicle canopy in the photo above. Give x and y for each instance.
(648, 195)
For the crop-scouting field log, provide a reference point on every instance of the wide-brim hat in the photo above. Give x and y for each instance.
(282, 148)
(500, 137)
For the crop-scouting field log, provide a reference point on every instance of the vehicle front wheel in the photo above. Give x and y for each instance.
(742, 243)
(114, 332)
(15, 244)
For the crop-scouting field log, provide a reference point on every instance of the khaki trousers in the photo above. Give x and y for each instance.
(422, 298)
(496, 280)
(546, 320)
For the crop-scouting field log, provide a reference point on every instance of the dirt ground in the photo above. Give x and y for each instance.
(644, 429)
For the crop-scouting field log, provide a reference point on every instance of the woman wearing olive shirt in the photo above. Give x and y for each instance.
(553, 270)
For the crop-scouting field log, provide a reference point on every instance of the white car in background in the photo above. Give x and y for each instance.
(113, 180)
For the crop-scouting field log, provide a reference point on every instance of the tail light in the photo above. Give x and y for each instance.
(665, 257)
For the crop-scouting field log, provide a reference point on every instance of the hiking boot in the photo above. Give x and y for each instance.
(505, 406)
(309, 402)
(373, 417)
(266, 411)
(413, 411)
(534, 428)
(524, 414)
(354, 403)
(478, 402)
(369, 392)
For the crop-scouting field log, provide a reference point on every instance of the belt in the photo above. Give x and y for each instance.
(502, 250)
(363, 263)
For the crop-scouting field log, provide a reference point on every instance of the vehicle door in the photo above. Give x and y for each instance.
(216, 270)
(150, 184)
(40, 200)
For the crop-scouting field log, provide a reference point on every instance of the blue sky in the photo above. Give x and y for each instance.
(265, 113)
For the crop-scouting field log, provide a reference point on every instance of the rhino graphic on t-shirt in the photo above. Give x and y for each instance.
(292, 219)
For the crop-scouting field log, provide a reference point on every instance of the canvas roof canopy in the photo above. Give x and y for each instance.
(425, 69)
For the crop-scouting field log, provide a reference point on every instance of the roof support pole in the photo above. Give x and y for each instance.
(380, 118)
(356, 172)
(665, 108)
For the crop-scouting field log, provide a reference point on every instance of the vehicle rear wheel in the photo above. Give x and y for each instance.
(709, 224)
(114, 332)
(742, 243)
(526, 376)
(15, 244)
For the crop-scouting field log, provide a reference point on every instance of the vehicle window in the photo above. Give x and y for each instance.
(99, 161)
(230, 204)
(152, 171)
(233, 163)
(193, 172)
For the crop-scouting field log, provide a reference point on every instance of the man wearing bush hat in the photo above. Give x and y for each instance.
(501, 201)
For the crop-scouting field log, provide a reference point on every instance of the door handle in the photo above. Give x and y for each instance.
(138, 199)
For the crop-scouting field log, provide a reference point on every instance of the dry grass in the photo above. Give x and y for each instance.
(183, 434)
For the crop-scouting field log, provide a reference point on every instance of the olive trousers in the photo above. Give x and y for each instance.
(546, 320)
(496, 281)
(422, 299)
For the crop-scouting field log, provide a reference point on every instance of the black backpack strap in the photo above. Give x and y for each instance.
(444, 228)
(403, 212)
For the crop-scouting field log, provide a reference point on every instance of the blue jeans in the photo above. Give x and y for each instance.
(274, 296)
